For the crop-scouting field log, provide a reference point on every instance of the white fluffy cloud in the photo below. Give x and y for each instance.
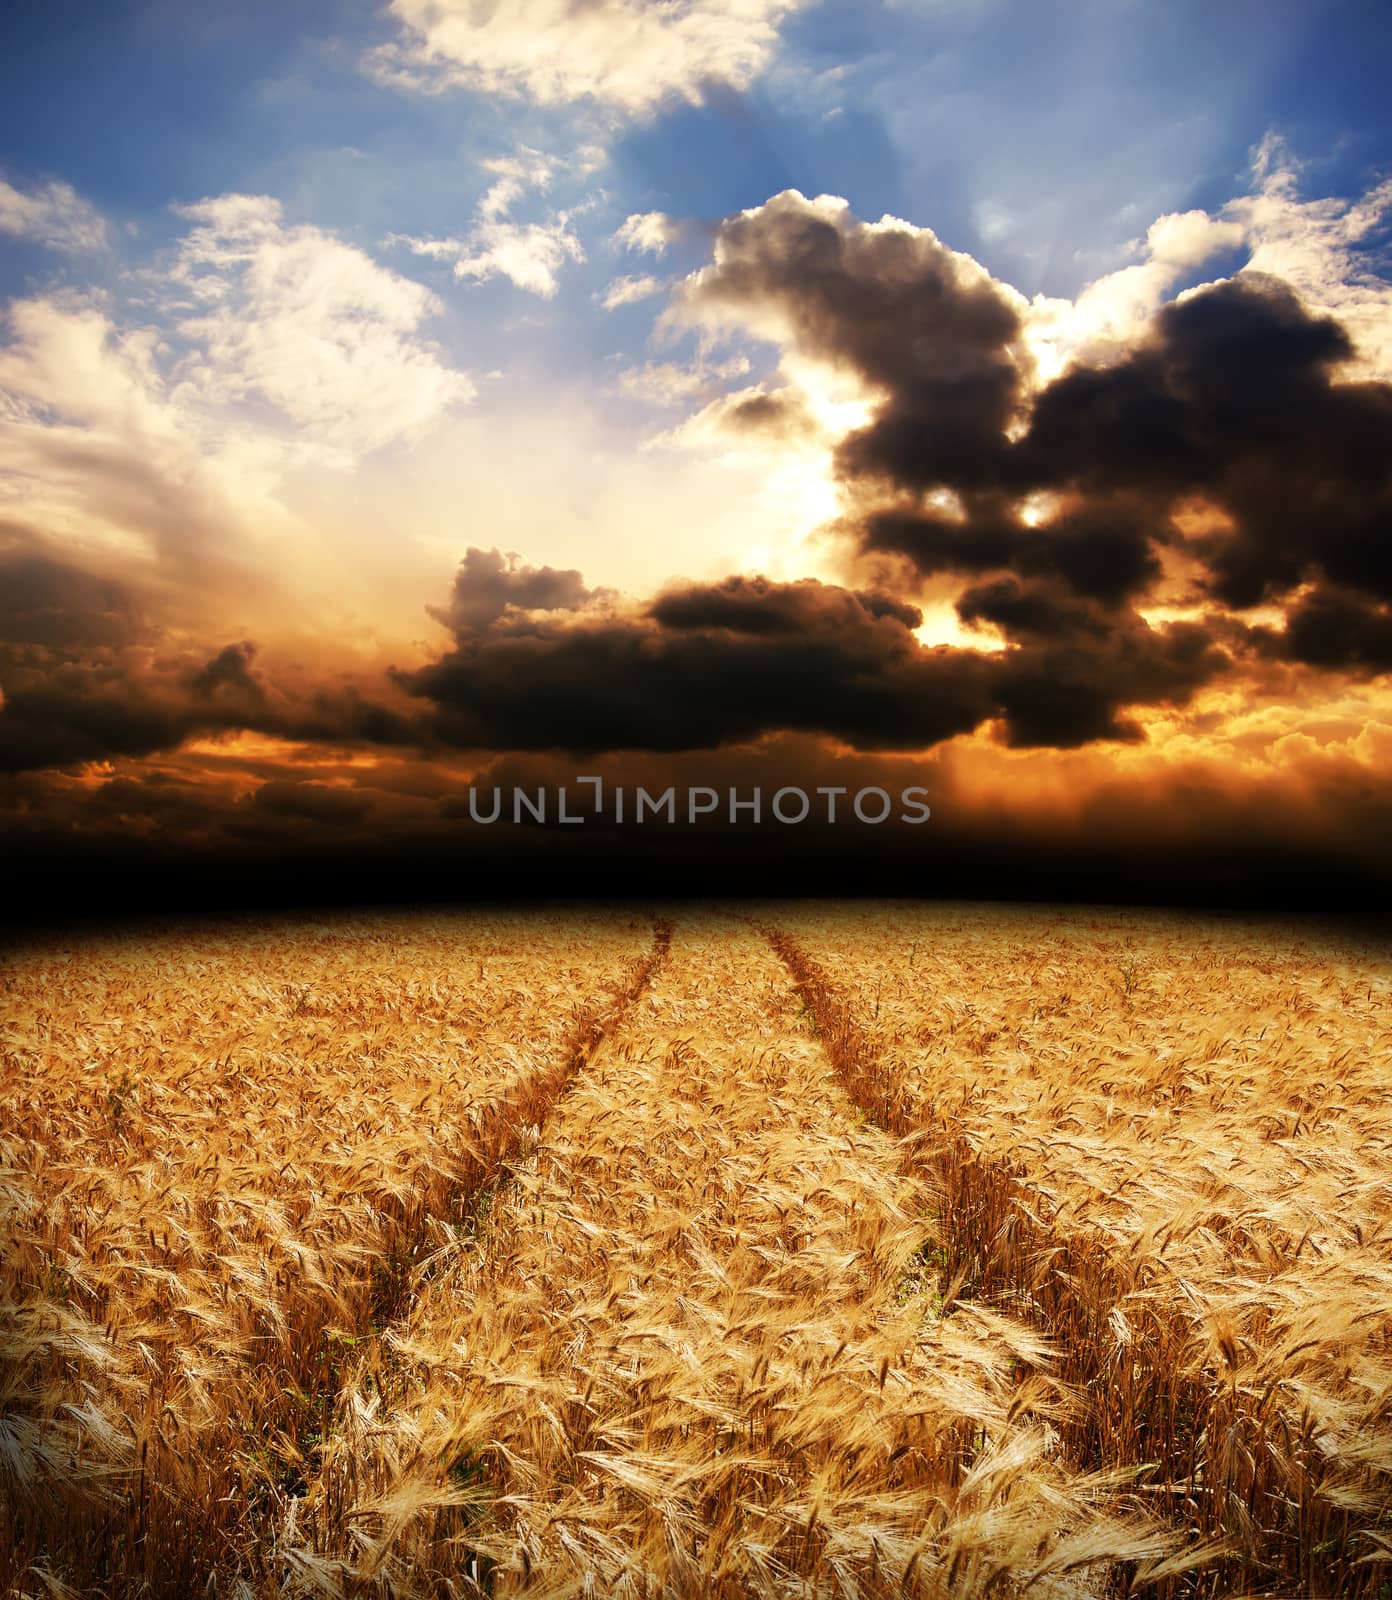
(626, 291)
(1318, 246)
(98, 450)
(161, 425)
(626, 54)
(530, 254)
(650, 231)
(297, 318)
(1322, 248)
(1111, 311)
(55, 216)
(665, 383)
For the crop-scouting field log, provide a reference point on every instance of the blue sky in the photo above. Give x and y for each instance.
(1045, 120)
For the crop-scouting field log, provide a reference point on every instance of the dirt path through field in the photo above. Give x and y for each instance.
(1241, 1346)
(697, 1349)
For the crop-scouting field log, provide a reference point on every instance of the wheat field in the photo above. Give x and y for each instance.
(791, 1250)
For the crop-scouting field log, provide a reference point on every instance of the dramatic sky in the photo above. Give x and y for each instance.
(994, 397)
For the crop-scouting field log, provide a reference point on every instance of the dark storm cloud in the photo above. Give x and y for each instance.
(74, 716)
(1034, 611)
(1073, 688)
(538, 664)
(927, 327)
(1237, 368)
(153, 801)
(1334, 629)
(488, 585)
(69, 644)
(1232, 397)
(707, 665)
(52, 604)
(84, 678)
(1235, 397)
(312, 802)
(344, 715)
(80, 711)
(1078, 664)
(745, 604)
(230, 669)
(1105, 550)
